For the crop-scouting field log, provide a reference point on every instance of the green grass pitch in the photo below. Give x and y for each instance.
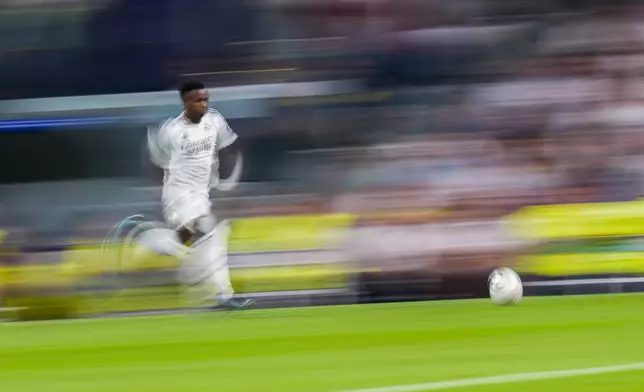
(330, 349)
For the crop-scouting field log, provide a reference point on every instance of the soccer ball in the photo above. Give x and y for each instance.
(505, 286)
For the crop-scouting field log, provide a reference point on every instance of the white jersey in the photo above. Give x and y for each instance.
(188, 153)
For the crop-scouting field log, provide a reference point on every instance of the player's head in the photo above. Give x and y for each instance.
(195, 98)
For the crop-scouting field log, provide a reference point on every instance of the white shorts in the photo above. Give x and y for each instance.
(186, 210)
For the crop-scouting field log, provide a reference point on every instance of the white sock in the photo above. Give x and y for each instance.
(221, 280)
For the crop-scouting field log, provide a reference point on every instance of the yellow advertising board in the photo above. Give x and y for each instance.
(598, 238)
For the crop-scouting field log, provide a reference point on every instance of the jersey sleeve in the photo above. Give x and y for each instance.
(160, 145)
(225, 135)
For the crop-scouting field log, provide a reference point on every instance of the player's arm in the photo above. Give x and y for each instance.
(159, 152)
(230, 157)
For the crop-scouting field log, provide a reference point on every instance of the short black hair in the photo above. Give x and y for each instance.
(190, 86)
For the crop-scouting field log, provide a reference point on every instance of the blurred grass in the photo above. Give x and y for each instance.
(331, 348)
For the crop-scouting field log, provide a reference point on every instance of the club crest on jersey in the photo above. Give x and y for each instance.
(197, 146)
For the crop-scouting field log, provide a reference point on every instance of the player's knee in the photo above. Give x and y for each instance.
(205, 224)
(196, 230)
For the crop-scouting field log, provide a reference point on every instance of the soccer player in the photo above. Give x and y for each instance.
(197, 152)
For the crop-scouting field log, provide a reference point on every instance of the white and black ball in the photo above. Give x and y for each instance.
(505, 286)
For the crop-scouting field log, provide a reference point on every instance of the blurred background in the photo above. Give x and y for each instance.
(397, 149)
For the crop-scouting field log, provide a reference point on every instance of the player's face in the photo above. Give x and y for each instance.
(196, 102)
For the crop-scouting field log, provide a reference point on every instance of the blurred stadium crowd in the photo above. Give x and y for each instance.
(468, 110)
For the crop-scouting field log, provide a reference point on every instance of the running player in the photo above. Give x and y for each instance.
(193, 149)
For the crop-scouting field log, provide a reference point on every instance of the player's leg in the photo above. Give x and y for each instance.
(205, 272)
(130, 242)
(144, 231)
(201, 247)
(163, 241)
